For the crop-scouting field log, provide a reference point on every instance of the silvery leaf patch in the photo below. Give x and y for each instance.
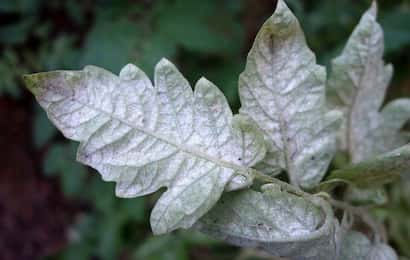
(275, 220)
(145, 137)
(357, 86)
(283, 91)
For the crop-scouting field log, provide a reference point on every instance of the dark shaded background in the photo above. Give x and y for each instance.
(51, 206)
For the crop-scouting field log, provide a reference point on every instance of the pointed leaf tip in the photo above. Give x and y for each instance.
(373, 8)
(284, 106)
(164, 62)
(129, 72)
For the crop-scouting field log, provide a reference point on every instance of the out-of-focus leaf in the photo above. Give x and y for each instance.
(15, 33)
(382, 169)
(43, 129)
(193, 237)
(128, 129)
(133, 209)
(396, 215)
(100, 236)
(75, 251)
(60, 160)
(367, 196)
(382, 251)
(279, 222)
(210, 30)
(282, 90)
(20, 6)
(357, 86)
(226, 75)
(75, 10)
(167, 247)
(102, 195)
(110, 240)
(395, 24)
(356, 246)
(59, 54)
(10, 71)
(153, 49)
(111, 44)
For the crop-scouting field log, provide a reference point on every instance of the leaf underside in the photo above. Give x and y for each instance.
(357, 86)
(283, 91)
(145, 138)
(277, 221)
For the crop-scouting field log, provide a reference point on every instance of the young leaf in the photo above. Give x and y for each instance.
(380, 170)
(282, 90)
(277, 221)
(357, 86)
(356, 246)
(145, 138)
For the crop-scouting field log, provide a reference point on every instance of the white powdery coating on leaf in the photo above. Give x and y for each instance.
(145, 137)
(276, 221)
(357, 86)
(282, 90)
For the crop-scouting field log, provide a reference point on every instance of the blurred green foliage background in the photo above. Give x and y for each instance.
(204, 38)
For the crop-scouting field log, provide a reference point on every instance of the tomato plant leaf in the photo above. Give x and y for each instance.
(356, 246)
(275, 220)
(283, 90)
(382, 169)
(357, 86)
(145, 138)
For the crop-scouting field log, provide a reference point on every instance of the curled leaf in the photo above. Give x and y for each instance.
(275, 220)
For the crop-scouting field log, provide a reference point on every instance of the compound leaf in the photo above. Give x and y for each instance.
(357, 86)
(281, 223)
(145, 138)
(282, 90)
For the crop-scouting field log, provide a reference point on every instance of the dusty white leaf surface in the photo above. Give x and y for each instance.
(283, 90)
(357, 86)
(276, 221)
(145, 137)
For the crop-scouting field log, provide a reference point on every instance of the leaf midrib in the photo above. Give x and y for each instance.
(183, 148)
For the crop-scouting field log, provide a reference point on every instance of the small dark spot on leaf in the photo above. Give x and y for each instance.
(240, 159)
(312, 158)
